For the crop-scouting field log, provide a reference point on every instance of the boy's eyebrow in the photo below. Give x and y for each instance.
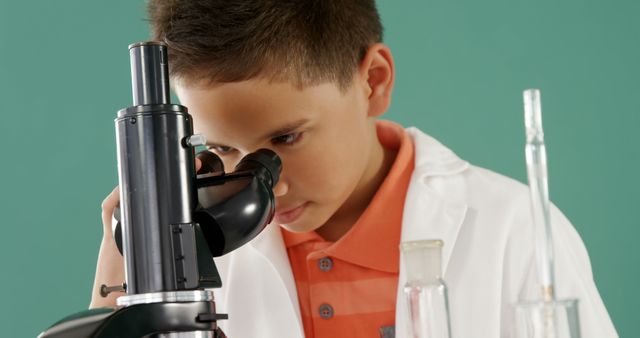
(287, 128)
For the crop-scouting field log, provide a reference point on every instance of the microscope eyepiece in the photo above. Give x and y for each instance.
(235, 207)
(211, 163)
(265, 161)
(149, 73)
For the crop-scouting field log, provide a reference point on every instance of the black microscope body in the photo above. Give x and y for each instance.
(171, 222)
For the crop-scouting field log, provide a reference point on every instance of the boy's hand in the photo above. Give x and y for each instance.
(110, 265)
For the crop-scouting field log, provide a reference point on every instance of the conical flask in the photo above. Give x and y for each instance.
(425, 290)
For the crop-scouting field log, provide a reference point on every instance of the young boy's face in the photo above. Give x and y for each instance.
(325, 137)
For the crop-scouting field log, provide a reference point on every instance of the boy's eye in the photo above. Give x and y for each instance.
(222, 150)
(287, 139)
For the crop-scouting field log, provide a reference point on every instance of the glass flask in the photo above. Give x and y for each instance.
(552, 319)
(425, 290)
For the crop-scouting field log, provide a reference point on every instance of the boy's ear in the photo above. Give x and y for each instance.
(377, 73)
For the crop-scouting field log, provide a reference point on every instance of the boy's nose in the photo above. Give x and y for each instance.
(281, 188)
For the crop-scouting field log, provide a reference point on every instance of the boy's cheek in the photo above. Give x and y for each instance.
(302, 170)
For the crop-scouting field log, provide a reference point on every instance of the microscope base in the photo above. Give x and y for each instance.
(170, 320)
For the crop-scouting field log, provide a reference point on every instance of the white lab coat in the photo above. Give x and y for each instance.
(484, 220)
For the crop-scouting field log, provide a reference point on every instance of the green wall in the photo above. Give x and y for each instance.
(461, 65)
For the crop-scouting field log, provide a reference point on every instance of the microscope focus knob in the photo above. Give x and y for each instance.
(194, 140)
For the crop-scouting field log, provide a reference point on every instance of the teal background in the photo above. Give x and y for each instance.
(461, 69)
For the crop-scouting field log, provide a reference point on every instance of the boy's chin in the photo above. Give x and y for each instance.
(297, 228)
(310, 219)
(301, 225)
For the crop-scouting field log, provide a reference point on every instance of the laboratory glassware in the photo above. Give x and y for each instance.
(546, 317)
(425, 290)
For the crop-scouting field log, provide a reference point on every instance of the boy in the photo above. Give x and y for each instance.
(308, 79)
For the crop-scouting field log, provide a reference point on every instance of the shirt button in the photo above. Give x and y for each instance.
(325, 264)
(326, 311)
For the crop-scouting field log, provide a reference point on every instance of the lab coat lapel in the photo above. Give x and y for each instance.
(430, 217)
(270, 245)
(427, 214)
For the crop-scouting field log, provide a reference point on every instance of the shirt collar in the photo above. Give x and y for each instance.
(292, 239)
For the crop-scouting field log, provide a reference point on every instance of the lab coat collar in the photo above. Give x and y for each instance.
(434, 209)
(433, 158)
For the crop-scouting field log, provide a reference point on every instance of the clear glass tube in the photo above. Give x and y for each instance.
(549, 317)
(425, 291)
(536, 158)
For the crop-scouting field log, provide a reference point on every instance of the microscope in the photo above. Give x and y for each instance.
(172, 221)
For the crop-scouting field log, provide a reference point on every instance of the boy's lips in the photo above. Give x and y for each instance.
(289, 215)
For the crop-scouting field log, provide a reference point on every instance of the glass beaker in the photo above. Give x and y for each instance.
(425, 291)
(552, 319)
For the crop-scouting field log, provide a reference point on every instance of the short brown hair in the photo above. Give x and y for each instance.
(305, 42)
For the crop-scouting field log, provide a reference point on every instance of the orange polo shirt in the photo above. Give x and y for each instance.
(348, 288)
